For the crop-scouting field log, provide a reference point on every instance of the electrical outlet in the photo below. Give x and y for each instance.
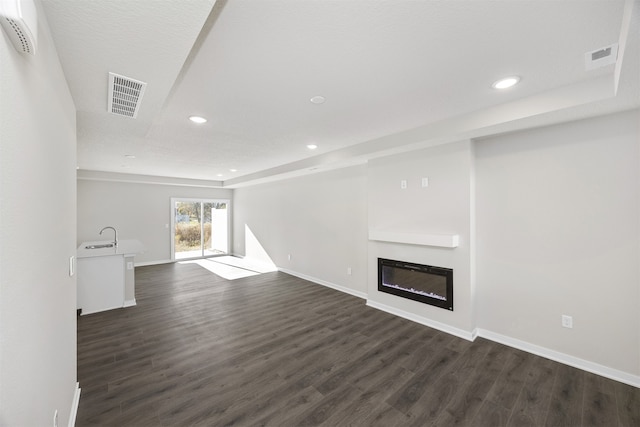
(129, 265)
(425, 182)
(403, 184)
(567, 321)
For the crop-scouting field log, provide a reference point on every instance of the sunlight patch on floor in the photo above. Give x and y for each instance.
(247, 264)
(225, 270)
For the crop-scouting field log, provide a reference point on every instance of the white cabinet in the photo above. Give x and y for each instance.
(100, 283)
(105, 276)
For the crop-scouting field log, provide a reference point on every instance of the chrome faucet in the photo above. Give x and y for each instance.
(115, 232)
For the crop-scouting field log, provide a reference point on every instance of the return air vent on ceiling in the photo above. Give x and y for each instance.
(125, 95)
(601, 57)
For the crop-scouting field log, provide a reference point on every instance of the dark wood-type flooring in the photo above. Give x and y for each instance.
(277, 350)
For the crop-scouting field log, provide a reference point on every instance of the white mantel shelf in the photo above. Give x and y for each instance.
(439, 240)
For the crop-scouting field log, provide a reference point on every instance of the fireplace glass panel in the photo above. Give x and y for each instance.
(424, 283)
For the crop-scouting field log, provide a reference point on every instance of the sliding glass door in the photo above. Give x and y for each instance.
(200, 228)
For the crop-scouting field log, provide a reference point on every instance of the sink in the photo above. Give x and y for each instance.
(106, 245)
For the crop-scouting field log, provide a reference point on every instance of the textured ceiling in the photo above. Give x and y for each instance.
(395, 75)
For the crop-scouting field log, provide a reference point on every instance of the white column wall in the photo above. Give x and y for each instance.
(443, 207)
(38, 229)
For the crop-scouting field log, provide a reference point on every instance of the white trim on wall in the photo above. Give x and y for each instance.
(423, 239)
(74, 406)
(325, 283)
(146, 263)
(129, 303)
(91, 175)
(585, 365)
(469, 336)
(614, 374)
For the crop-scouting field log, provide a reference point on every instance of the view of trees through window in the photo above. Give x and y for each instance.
(197, 225)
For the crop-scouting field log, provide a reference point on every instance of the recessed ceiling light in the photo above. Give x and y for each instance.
(130, 156)
(219, 174)
(506, 82)
(317, 99)
(312, 146)
(233, 170)
(198, 119)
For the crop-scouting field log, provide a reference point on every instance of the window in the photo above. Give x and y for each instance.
(200, 228)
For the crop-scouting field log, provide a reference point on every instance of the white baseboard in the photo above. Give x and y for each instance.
(170, 261)
(325, 283)
(469, 336)
(585, 365)
(74, 406)
(129, 303)
(144, 264)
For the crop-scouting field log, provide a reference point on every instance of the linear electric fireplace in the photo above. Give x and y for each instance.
(424, 283)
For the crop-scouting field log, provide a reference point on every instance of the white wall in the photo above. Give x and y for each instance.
(549, 224)
(37, 224)
(558, 233)
(137, 211)
(319, 219)
(444, 207)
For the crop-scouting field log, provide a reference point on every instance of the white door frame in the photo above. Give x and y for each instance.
(201, 200)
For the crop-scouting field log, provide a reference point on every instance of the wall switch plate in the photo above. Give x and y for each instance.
(567, 321)
(403, 184)
(289, 257)
(425, 182)
(349, 271)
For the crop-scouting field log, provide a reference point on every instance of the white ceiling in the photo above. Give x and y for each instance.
(396, 75)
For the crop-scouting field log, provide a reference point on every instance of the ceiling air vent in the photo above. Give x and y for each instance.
(125, 95)
(601, 57)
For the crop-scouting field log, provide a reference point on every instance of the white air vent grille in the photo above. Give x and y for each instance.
(601, 57)
(125, 95)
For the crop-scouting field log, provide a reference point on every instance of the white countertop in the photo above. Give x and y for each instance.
(125, 247)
